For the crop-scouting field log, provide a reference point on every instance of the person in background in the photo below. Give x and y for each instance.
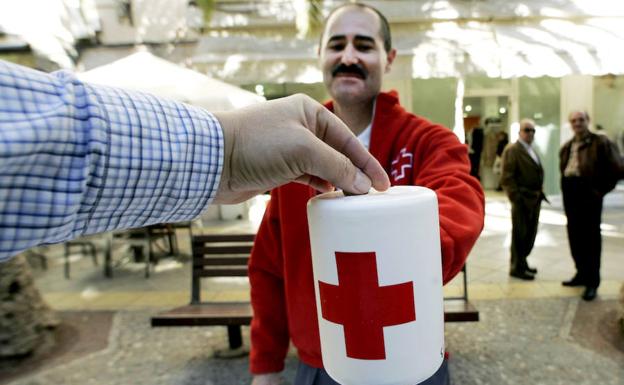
(522, 179)
(355, 52)
(475, 148)
(77, 159)
(590, 167)
(502, 139)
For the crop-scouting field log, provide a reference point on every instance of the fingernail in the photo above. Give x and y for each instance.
(362, 183)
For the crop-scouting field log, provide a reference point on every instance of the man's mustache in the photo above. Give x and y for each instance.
(350, 69)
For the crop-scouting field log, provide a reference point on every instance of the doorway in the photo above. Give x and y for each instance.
(485, 117)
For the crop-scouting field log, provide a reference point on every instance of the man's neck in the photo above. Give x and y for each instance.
(357, 116)
(526, 144)
(581, 135)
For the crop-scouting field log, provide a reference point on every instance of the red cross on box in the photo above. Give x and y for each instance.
(363, 307)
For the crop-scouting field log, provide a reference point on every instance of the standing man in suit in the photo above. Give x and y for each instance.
(590, 167)
(522, 179)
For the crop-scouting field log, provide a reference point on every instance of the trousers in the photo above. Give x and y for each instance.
(524, 220)
(583, 208)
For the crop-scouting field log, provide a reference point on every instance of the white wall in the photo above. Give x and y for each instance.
(150, 21)
(577, 93)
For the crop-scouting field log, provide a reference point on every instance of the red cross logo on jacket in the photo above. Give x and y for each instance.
(363, 307)
(400, 165)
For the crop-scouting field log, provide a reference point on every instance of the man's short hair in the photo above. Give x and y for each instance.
(384, 29)
(584, 112)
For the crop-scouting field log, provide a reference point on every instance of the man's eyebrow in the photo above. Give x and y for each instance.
(356, 38)
(365, 38)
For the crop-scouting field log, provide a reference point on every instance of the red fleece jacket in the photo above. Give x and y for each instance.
(413, 151)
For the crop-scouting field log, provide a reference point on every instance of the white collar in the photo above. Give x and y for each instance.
(365, 135)
(530, 150)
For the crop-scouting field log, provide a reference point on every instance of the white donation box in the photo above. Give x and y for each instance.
(378, 281)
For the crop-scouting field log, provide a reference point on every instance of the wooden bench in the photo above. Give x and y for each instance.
(215, 255)
(227, 256)
(459, 308)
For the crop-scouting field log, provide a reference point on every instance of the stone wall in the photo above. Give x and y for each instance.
(25, 319)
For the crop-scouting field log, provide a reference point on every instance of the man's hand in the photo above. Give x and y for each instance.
(267, 379)
(292, 139)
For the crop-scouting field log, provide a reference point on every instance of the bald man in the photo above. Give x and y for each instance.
(522, 179)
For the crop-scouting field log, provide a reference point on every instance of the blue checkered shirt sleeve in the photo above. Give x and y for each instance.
(79, 159)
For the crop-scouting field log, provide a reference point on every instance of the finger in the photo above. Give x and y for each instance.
(330, 165)
(315, 182)
(334, 132)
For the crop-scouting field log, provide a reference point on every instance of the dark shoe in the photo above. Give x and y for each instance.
(523, 275)
(590, 293)
(576, 281)
(531, 270)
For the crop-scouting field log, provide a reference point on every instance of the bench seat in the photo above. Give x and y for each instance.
(240, 313)
(460, 310)
(206, 314)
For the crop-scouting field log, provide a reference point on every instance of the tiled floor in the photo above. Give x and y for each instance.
(487, 268)
(488, 264)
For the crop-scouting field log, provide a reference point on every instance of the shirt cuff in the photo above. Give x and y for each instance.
(152, 161)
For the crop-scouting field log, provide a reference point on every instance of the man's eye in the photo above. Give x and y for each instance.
(336, 46)
(364, 47)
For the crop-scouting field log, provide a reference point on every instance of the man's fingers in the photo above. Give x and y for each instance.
(335, 133)
(329, 165)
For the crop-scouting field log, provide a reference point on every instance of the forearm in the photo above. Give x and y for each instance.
(461, 222)
(269, 327)
(511, 190)
(508, 180)
(80, 159)
(444, 168)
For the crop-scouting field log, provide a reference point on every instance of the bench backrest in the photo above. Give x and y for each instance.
(219, 255)
(227, 255)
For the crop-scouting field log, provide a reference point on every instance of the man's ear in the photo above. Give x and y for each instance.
(390, 59)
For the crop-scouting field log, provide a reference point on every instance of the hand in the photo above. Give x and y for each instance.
(292, 139)
(267, 379)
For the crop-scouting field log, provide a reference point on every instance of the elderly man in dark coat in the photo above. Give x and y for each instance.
(522, 179)
(590, 166)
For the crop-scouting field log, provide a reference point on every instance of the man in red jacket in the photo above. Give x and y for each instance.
(355, 52)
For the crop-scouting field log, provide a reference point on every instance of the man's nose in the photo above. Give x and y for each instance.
(349, 55)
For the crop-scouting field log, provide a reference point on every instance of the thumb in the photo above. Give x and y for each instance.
(332, 166)
(332, 131)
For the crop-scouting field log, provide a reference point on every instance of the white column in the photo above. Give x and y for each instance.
(577, 93)
(514, 105)
(458, 127)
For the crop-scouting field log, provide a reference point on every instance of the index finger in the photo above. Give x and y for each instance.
(331, 130)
